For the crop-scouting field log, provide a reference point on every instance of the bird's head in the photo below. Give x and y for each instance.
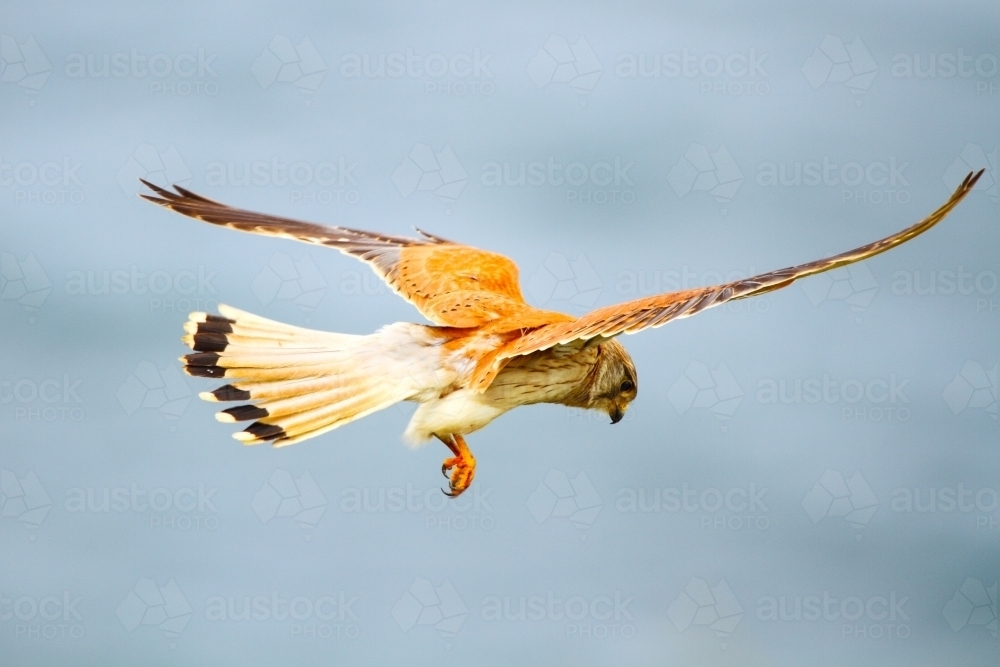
(614, 383)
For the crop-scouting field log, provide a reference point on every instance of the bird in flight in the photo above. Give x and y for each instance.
(487, 351)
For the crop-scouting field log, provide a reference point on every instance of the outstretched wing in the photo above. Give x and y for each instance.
(449, 283)
(655, 311)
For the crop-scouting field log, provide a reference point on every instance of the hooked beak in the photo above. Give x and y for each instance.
(616, 414)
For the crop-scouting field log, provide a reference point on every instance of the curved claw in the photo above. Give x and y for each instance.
(444, 470)
(448, 493)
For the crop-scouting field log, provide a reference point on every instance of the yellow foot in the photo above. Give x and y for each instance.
(459, 469)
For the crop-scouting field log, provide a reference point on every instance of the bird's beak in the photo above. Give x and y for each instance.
(616, 414)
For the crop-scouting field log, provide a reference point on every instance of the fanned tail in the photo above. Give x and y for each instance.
(299, 382)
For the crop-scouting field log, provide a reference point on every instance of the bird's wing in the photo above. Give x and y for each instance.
(655, 311)
(449, 283)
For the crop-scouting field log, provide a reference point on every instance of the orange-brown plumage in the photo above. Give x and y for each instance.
(488, 352)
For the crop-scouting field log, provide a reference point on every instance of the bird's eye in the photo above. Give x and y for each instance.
(627, 386)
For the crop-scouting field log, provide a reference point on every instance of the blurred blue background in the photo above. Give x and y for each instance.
(807, 477)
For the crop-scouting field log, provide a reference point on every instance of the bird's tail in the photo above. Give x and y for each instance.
(301, 382)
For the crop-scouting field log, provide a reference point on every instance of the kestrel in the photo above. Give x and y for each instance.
(487, 351)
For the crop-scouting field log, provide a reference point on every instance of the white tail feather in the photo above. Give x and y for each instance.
(297, 383)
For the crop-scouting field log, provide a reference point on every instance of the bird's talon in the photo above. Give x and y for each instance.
(459, 469)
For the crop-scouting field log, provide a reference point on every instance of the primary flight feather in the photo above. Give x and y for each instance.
(488, 351)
